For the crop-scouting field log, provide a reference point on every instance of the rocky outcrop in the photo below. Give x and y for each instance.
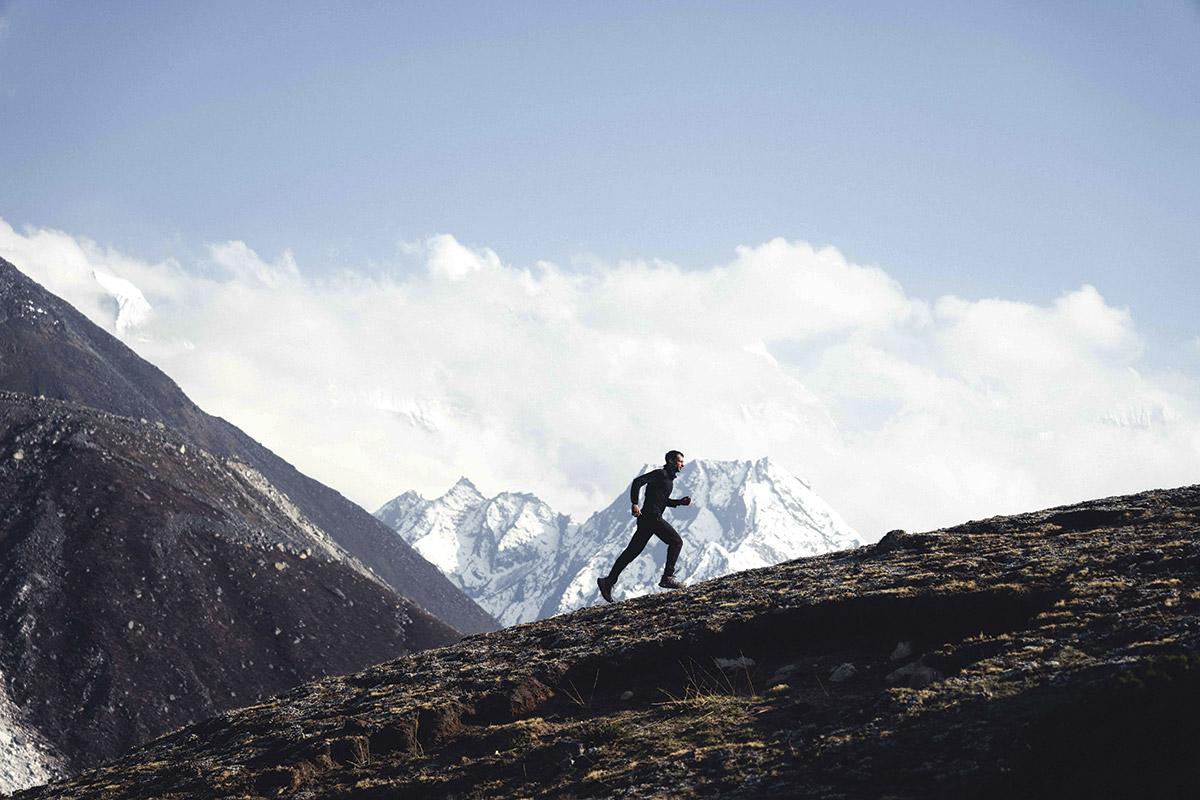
(49, 349)
(146, 583)
(1057, 654)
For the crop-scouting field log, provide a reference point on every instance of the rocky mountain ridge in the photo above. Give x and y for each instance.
(49, 349)
(1049, 654)
(522, 561)
(146, 583)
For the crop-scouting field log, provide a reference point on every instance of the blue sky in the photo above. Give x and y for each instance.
(1016, 152)
(1015, 149)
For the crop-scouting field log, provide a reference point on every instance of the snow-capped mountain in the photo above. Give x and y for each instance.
(521, 561)
(132, 307)
(501, 549)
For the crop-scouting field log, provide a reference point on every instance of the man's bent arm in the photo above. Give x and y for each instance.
(638, 483)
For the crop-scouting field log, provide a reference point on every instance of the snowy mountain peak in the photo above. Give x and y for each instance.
(521, 561)
(486, 546)
(132, 307)
(398, 508)
(464, 490)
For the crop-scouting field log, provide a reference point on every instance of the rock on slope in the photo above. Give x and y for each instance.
(521, 561)
(146, 584)
(1050, 654)
(47, 348)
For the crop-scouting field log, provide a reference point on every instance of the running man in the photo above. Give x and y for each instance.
(650, 522)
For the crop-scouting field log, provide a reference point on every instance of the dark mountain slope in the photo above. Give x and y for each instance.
(1051, 654)
(145, 584)
(47, 348)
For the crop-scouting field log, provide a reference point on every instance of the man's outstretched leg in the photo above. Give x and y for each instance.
(636, 545)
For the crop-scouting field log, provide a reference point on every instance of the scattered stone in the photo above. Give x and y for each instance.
(627, 695)
(742, 662)
(843, 673)
(914, 675)
(903, 650)
(784, 674)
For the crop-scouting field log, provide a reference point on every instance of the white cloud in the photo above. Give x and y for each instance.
(449, 259)
(563, 381)
(247, 268)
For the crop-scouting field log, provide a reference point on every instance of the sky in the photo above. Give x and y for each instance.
(938, 259)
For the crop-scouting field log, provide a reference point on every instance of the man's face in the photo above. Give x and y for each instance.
(676, 463)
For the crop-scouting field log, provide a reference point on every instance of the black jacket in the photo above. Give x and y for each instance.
(659, 484)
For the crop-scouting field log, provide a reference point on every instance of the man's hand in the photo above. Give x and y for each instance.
(637, 512)
(687, 501)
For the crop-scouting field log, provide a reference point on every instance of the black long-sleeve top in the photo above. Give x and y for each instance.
(659, 484)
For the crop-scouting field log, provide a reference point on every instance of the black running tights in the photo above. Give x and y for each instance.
(648, 526)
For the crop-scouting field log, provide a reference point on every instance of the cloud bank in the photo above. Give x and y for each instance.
(562, 380)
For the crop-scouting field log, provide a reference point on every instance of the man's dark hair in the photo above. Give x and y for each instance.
(670, 456)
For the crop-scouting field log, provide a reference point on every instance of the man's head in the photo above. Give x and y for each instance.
(674, 461)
